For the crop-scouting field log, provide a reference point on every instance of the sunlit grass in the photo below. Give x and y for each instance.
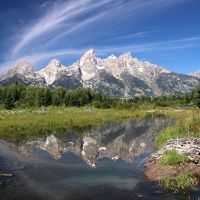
(18, 124)
(187, 126)
(171, 157)
(181, 182)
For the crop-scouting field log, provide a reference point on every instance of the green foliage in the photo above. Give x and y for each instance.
(196, 135)
(187, 125)
(11, 95)
(29, 97)
(181, 182)
(17, 95)
(173, 132)
(79, 97)
(58, 95)
(196, 96)
(171, 157)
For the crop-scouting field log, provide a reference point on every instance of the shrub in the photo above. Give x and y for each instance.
(181, 182)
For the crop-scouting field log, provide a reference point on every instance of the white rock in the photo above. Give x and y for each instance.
(52, 71)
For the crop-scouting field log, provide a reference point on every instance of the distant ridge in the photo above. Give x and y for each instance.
(124, 76)
(196, 74)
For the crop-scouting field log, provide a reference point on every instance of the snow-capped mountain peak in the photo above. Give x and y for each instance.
(23, 67)
(88, 58)
(54, 64)
(52, 71)
(112, 57)
(126, 56)
(88, 65)
(23, 73)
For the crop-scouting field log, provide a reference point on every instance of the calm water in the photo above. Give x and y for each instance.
(105, 164)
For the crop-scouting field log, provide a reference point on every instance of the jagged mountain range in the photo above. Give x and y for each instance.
(123, 76)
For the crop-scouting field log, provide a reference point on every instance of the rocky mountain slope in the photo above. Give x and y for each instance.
(23, 73)
(123, 76)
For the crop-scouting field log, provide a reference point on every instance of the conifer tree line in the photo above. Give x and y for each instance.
(18, 95)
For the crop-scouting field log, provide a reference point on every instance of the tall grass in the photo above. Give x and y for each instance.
(181, 182)
(187, 125)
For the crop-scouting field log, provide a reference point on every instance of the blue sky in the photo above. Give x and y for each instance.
(164, 32)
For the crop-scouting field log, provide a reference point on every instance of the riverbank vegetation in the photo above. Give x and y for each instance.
(180, 182)
(186, 171)
(20, 124)
(187, 124)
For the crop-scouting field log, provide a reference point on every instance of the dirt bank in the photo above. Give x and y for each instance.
(155, 170)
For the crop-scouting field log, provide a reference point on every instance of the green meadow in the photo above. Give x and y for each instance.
(21, 124)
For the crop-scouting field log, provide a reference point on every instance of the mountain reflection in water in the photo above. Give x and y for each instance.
(124, 141)
(105, 163)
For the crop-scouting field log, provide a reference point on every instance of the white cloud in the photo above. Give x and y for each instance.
(61, 15)
(135, 35)
(65, 17)
(182, 43)
(154, 46)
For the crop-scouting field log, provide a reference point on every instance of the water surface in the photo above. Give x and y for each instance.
(105, 163)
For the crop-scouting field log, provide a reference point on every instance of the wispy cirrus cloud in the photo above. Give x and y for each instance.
(61, 18)
(76, 19)
(182, 43)
(50, 21)
(161, 46)
(135, 35)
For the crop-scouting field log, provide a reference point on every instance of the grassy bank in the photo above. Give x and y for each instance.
(181, 182)
(187, 126)
(24, 123)
(21, 124)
